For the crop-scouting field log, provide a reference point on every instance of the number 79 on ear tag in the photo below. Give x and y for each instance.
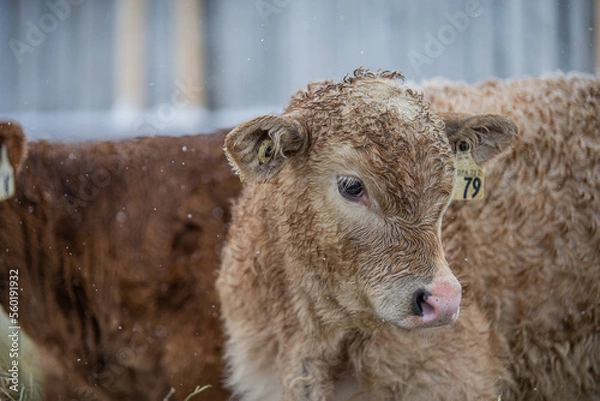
(470, 177)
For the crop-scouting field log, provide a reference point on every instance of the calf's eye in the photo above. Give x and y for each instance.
(350, 187)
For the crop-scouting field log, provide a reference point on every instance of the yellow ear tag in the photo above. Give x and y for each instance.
(470, 177)
(7, 176)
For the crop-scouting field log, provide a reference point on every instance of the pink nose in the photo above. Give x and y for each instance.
(439, 303)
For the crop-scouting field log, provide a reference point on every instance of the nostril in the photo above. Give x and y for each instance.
(419, 301)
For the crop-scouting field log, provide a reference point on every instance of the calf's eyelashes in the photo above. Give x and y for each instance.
(351, 188)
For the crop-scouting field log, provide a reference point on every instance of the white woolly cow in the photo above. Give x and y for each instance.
(530, 251)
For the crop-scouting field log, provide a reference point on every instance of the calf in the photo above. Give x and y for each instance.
(335, 280)
(116, 245)
(334, 266)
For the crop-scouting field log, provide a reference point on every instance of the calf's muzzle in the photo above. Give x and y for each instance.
(438, 303)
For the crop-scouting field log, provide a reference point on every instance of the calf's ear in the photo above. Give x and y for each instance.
(257, 149)
(487, 135)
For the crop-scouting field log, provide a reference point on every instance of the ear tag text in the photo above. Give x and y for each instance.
(470, 177)
(7, 176)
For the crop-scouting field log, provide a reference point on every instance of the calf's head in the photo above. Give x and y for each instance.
(354, 179)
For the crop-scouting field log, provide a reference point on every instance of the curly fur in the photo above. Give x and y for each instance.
(530, 251)
(301, 295)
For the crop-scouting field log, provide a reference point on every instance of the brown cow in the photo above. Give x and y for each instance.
(116, 247)
(334, 275)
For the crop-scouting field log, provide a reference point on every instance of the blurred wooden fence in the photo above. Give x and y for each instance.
(92, 55)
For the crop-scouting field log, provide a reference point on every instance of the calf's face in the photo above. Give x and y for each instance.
(359, 175)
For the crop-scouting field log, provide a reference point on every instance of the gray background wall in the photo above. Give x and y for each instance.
(87, 69)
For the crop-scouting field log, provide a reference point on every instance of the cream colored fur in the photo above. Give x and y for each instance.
(304, 269)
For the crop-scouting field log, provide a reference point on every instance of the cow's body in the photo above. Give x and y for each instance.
(529, 253)
(528, 256)
(117, 246)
